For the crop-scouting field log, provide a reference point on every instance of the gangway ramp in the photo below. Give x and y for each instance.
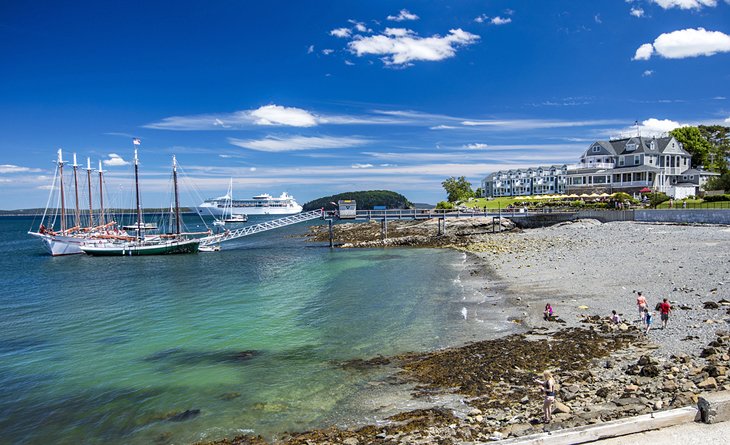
(261, 227)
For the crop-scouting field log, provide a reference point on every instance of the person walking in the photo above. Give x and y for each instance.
(548, 388)
(665, 309)
(647, 320)
(641, 303)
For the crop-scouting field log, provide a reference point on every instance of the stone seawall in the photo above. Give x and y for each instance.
(694, 216)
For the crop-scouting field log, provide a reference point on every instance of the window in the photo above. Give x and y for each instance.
(630, 147)
(621, 161)
(596, 149)
(637, 159)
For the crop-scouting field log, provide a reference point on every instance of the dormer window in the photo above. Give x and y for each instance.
(630, 147)
(652, 146)
(596, 149)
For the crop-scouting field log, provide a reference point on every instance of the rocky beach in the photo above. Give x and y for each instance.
(604, 370)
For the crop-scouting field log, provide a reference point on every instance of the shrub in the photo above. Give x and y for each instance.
(717, 198)
(445, 205)
(657, 198)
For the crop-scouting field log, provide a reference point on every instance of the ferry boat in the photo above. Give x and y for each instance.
(263, 204)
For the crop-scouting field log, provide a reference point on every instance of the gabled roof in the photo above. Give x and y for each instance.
(694, 171)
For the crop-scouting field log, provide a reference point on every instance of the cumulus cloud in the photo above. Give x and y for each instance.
(278, 115)
(341, 32)
(476, 146)
(685, 4)
(648, 73)
(403, 16)
(637, 12)
(500, 20)
(10, 168)
(644, 52)
(359, 26)
(115, 161)
(685, 43)
(296, 143)
(658, 125)
(406, 46)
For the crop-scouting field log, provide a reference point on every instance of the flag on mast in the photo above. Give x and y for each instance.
(136, 141)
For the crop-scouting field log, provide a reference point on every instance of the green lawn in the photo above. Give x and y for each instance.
(496, 203)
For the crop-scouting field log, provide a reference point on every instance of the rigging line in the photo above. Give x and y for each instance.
(50, 195)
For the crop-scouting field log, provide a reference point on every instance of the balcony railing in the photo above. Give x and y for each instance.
(581, 166)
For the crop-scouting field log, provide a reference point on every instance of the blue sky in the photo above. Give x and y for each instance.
(321, 97)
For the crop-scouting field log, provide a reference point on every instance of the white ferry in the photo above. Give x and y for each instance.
(263, 204)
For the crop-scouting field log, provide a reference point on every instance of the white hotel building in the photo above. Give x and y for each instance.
(622, 165)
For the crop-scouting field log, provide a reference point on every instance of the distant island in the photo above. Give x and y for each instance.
(365, 200)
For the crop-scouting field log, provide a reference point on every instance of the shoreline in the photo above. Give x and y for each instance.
(642, 375)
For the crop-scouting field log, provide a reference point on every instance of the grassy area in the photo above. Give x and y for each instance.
(496, 203)
(696, 204)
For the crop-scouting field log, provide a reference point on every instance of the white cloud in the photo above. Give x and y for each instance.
(296, 143)
(720, 97)
(348, 63)
(443, 127)
(637, 12)
(362, 166)
(685, 43)
(310, 49)
(327, 51)
(644, 52)
(360, 26)
(727, 121)
(252, 169)
(402, 16)
(500, 21)
(341, 32)
(10, 168)
(685, 4)
(481, 18)
(647, 73)
(407, 48)
(278, 115)
(397, 32)
(533, 124)
(653, 125)
(115, 161)
(476, 146)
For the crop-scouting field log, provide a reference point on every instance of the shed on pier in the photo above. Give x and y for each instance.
(347, 208)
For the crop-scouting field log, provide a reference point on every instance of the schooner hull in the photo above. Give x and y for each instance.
(58, 245)
(168, 248)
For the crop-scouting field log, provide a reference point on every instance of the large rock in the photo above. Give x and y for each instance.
(561, 408)
(708, 383)
(714, 407)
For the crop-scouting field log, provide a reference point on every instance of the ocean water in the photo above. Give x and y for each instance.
(106, 350)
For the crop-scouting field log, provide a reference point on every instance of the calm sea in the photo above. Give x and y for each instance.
(105, 350)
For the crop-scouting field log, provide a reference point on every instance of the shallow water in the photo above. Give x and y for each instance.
(108, 349)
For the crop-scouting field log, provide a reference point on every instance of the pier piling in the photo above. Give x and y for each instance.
(332, 235)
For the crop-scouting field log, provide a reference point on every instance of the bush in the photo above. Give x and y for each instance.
(657, 198)
(717, 198)
(445, 205)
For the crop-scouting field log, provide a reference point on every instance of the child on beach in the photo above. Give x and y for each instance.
(641, 303)
(548, 388)
(665, 308)
(616, 318)
(547, 315)
(647, 320)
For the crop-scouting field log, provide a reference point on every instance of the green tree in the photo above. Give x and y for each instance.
(457, 189)
(719, 137)
(719, 183)
(704, 153)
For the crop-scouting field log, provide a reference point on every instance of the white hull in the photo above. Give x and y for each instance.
(58, 245)
(218, 211)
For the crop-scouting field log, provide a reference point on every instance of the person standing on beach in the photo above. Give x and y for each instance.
(548, 388)
(665, 309)
(647, 320)
(641, 303)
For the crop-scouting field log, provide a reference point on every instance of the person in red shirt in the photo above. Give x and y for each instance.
(665, 309)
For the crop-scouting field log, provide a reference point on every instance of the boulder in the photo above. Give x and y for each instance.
(714, 407)
(649, 371)
(561, 408)
(711, 305)
(708, 383)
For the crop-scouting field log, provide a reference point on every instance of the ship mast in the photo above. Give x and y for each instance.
(77, 215)
(136, 185)
(177, 195)
(63, 196)
(101, 195)
(91, 203)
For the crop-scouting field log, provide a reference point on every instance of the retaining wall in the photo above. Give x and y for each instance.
(607, 215)
(694, 216)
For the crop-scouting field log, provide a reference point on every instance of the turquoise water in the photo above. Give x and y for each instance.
(106, 349)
